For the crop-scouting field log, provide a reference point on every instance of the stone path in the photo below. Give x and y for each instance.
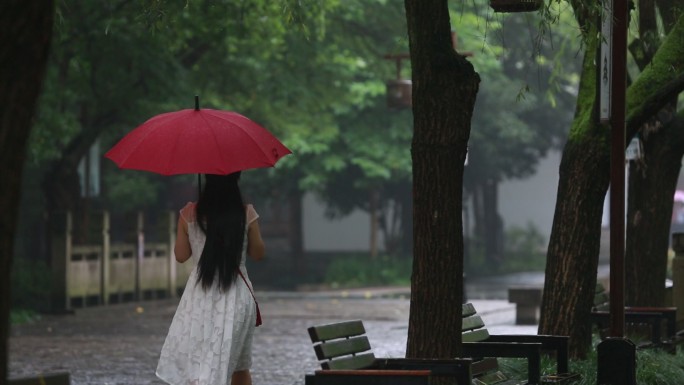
(120, 344)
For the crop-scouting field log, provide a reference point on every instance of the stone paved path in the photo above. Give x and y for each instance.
(120, 344)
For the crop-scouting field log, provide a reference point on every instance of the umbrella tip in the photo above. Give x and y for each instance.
(196, 103)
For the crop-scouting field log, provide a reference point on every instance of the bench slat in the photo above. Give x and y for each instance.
(493, 378)
(47, 379)
(337, 330)
(475, 335)
(363, 378)
(332, 349)
(374, 372)
(467, 310)
(472, 322)
(484, 365)
(359, 361)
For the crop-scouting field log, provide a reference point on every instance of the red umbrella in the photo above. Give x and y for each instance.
(201, 141)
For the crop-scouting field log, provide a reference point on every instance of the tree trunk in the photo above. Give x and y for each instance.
(61, 184)
(406, 204)
(652, 183)
(296, 239)
(493, 225)
(373, 201)
(444, 90)
(652, 179)
(478, 211)
(25, 33)
(584, 175)
(572, 256)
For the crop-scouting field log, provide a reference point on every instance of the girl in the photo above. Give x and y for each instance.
(210, 338)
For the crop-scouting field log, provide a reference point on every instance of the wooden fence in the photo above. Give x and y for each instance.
(103, 271)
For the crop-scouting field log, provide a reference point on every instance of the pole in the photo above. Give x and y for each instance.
(617, 355)
(617, 169)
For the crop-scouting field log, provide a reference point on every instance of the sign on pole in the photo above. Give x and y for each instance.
(606, 64)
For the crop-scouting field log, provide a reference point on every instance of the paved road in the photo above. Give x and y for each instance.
(120, 344)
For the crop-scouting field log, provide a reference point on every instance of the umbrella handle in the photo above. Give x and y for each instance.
(199, 185)
(196, 103)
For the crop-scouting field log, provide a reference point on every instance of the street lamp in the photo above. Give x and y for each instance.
(399, 90)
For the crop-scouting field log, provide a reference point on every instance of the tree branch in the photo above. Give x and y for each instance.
(653, 104)
(660, 82)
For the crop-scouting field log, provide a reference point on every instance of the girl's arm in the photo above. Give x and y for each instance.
(182, 246)
(255, 244)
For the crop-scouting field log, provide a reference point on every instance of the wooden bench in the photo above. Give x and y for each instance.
(647, 320)
(43, 379)
(485, 348)
(345, 357)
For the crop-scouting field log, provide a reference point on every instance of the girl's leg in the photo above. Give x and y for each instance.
(242, 377)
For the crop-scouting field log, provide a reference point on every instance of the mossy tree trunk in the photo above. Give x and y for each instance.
(584, 175)
(444, 90)
(573, 250)
(652, 178)
(652, 183)
(25, 31)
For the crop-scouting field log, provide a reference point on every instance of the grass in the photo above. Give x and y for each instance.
(22, 316)
(362, 270)
(653, 367)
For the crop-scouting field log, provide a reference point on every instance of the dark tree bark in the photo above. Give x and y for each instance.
(25, 32)
(444, 89)
(652, 183)
(572, 256)
(652, 179)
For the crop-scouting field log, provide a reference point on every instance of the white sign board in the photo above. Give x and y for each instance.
(606, 64)
(633, 151)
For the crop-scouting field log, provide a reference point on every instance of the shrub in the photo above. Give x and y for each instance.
(653, 367)
(362, 270)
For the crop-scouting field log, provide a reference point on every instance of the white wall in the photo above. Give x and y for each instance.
(532, 199)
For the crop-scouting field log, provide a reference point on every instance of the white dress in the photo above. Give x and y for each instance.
(210, 336)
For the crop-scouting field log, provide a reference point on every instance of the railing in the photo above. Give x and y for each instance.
(104, 272)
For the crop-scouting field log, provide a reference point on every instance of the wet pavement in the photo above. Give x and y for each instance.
(120, 344)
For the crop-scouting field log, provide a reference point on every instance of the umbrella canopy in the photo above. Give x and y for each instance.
(202, 141)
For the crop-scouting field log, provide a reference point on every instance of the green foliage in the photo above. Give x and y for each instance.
(526, 96)
(131, 190)
(659, 368)
(654, 367)
(311, 72)
(22, 316)
(524, 250)
(362, 270)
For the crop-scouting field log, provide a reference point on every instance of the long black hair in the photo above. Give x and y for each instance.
(221, 216)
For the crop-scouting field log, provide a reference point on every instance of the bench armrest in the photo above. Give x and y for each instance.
(446, 366)
(458, 368)
(668, 313)
(654, 319)
(557, 344)
(530, 351)
(368, 377)
(397, 370)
